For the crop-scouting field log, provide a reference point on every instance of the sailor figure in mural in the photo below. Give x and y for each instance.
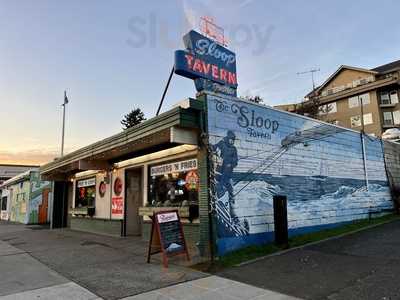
(226, 159)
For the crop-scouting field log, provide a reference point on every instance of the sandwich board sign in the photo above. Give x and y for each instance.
(167, 236)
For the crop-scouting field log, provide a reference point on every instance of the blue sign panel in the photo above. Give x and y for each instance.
(258, 152)
(208, 60)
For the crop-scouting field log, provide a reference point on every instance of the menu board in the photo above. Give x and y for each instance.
(167, 236)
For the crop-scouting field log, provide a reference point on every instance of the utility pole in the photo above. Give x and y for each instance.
(312, 71)
(360, 102)
(364, 153)
(63, 123)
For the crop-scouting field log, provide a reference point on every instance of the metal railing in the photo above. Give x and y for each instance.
(388, 122)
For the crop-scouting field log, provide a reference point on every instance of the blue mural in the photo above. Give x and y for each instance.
(257, 152)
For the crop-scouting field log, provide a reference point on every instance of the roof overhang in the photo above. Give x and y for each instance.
(17, 179)
(174, 127)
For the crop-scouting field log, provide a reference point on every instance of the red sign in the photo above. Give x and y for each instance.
(102, 189)
(209, 70)
(118, 186)
(117, 206)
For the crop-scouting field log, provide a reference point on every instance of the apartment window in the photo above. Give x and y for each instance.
(356, 120)
(364, 98)
(389, 97)
(368, 119)
(394, 97)
(328, 108)
(332, 108)
(354, 101)
(385, 99)
(396, 117)
(387, 118)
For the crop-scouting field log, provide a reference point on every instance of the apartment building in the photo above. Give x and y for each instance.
(353, 95)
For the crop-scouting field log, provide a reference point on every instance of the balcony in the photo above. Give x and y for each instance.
(388, 123)
(387, 103)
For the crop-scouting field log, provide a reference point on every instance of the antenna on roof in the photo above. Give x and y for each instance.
(312, 71)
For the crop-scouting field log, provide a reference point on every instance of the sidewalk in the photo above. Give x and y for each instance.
(109, 267)
(211, 288)
(23, 277)
(37, 266)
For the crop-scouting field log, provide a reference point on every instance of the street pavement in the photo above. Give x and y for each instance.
(111, 268)
(37, 263)
(363, 265)
(211, 288)
(62, 264)
(23, 277)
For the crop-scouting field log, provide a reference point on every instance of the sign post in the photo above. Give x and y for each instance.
(167, 236)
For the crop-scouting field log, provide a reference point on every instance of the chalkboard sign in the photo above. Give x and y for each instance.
(167, 236)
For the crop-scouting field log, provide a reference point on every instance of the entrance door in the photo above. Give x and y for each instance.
(44, 207)
(133, 200)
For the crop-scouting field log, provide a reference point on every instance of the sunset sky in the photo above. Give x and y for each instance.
(112, 56)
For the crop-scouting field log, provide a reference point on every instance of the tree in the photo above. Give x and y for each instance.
(309, 108)
(135, 117)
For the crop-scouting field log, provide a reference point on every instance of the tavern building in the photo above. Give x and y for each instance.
(113, 186)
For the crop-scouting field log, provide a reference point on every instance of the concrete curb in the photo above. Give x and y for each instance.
(313, 243)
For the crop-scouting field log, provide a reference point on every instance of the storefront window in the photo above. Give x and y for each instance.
(174, 184)
(85, 193)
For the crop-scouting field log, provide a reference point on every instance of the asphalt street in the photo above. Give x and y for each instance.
(363, 265)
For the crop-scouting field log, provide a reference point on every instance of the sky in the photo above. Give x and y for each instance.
(113, 56)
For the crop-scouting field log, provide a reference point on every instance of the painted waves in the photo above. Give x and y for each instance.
(312, 201)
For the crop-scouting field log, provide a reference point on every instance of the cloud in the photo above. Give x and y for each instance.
(31, 156)
(34, 157)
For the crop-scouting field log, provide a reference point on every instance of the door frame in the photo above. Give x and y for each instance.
(139, 169)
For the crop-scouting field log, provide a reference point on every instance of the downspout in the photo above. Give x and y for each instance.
(205, 143)
(364, 154)
(360, 102)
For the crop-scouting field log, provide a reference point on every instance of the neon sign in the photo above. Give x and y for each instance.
(211, 65)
